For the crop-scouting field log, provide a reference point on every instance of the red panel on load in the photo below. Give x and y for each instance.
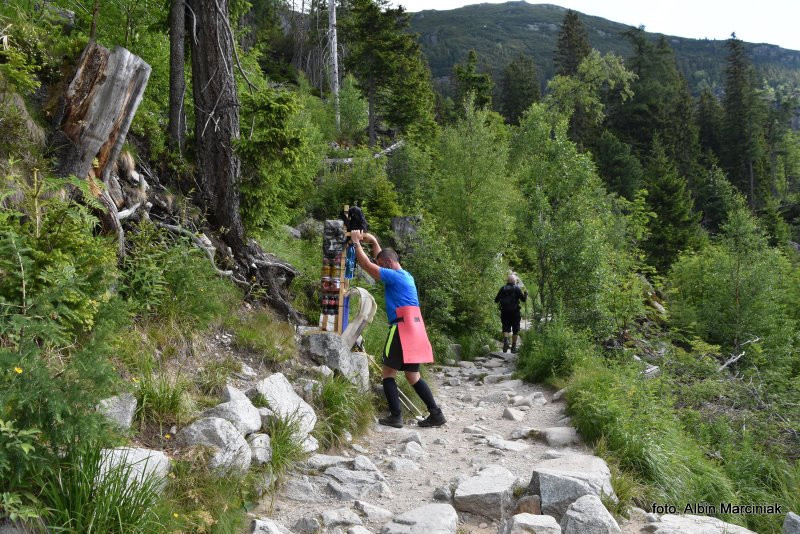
(413, 337)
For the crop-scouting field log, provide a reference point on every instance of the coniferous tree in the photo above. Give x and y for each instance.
(742, 133)
(519, 88)
(573, 45)
(619, 167)
(388, 64)
(709, 123)
(470, 81)
(675, 227)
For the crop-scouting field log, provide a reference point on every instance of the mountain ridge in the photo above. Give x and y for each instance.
(498, 32)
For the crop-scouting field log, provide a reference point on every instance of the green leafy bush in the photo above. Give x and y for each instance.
(552, 350)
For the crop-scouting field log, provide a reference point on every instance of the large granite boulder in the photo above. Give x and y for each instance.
(231, 451)
(791, 525)
(328, 348)
(428, 519)
(285, 403)
(563, 480)
(587, 515)
(141, 465)
(488, 493)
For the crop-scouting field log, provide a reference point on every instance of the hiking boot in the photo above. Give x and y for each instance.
(514, 349)
(392, 420)
(434, 419)
(505, 346)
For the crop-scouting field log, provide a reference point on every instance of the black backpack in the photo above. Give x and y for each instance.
(508, 298)
(356, 219)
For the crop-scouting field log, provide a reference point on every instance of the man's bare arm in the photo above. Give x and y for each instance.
(372, 269)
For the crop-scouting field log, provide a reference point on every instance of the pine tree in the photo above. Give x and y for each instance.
(709, 122)
(388, 64)
(470, 81)
(620, 169)
(573, 45)
(742, 133)
(676, 225)
(519, 88)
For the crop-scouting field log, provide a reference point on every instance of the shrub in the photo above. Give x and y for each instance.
(551, 350)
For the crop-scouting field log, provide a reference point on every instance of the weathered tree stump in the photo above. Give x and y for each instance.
(98, 108)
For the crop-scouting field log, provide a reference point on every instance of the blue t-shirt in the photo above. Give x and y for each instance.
(400, 290)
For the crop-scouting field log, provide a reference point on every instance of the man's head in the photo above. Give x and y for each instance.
(511, 279)
(388, 259)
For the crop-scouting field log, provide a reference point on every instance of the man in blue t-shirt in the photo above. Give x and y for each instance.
(400, 291)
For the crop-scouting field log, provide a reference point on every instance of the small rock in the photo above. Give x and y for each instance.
(560, 436)
(375, 514)
(513, 415)
(402, 464)
(488, 493)
(267, 526)
(483, 525)
(442, 494)
(362, 463)
(475, 429)
(551, 454)
(521, 433)
(358, 529)
(466, 365)
(120, 409)
(497, 397)
(449, 361)
(413, 436)
(245, 372)
(347, 437)
(140, 464)
(588, 515)
(310, 444)
(325, 371)
(324, 461)
(414, 450)
(340, 516)
(558, 395)
(441, 441)
(428, 519)
(241, 413)
(453, 382)
(230, 393)
(505, 445)
(261, 450)
(358, 448)
(530, 523)
(232, 451)
(307, 525)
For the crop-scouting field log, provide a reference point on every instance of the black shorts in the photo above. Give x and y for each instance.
(393, 353)
(510, 320)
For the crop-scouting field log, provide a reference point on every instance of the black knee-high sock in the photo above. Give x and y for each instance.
(392, 395)
(425, 394)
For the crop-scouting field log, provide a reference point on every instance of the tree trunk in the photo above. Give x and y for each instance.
(371, 115)
(334, 61)
(177, 82)
(218, 167)
(98, 108)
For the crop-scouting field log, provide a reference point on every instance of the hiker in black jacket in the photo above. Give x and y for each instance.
(509, 298)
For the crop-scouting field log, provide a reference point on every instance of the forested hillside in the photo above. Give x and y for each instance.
(500, 32)
(164, 171)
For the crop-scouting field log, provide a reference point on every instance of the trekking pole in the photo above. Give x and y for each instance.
(410, 406)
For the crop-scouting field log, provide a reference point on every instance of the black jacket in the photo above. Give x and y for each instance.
(509, 297)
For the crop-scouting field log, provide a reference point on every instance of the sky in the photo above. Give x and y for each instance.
(761, 21)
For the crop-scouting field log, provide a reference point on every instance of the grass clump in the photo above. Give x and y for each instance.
(262, 334)
(341, 407)
(213, 377)
(87, 495)
(287, 450)
(162, 399)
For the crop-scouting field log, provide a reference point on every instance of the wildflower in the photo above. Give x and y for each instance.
(135, 380)
(18, 370)
(167, 436)
(175, 515)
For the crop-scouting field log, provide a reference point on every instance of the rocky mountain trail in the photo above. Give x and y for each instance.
(507, 448)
